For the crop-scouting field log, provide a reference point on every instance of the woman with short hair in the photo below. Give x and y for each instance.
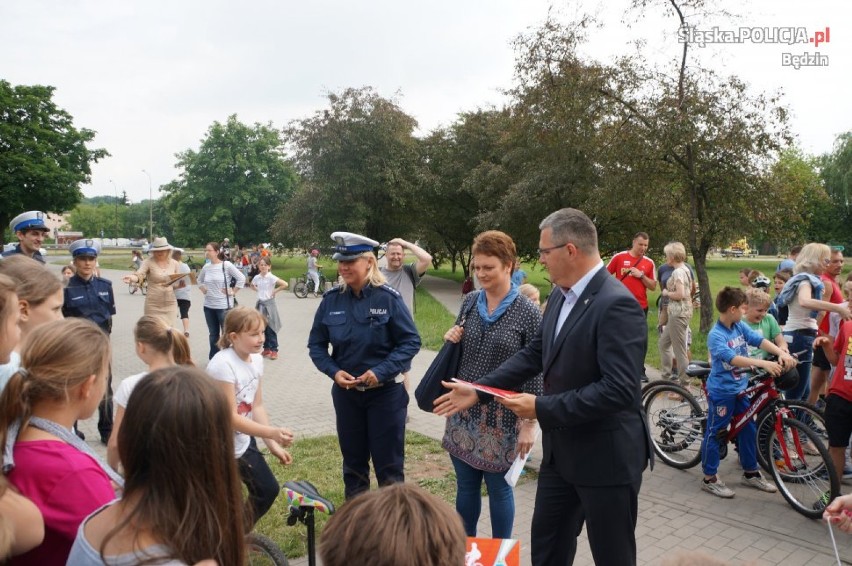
(677, 292)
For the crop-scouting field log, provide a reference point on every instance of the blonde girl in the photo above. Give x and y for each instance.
(39, 300)
(159, 346)
(237, 368)
(267, 286)
(62, 378)
(21, 525)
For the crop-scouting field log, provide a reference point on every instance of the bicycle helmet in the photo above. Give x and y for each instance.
(787, 380)
(761, 282)
(314, 252)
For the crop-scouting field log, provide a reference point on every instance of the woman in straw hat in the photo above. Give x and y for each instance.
(160, 270)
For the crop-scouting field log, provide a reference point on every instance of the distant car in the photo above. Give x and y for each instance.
(138, 243)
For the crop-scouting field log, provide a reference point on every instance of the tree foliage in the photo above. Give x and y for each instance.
(461, 163)
(231, 187)
(831, 216)
(43, 156)
(358, 159)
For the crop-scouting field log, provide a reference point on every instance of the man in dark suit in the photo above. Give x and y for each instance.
(590, 351)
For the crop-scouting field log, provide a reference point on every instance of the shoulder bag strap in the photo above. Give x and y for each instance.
(631, 267)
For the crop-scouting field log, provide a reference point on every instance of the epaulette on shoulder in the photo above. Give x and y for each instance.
(334, 289)
(104, 280)
(390, 290)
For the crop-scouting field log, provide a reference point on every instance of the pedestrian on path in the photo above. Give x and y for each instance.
(373, 340)
(182, 290)
(220, 296)
(484, 440)
(267, 286)
(159, 269)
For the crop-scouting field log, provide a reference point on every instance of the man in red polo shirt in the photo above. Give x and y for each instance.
(821, 369)
(636, 271)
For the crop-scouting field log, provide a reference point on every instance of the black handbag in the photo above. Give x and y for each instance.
(445, 366)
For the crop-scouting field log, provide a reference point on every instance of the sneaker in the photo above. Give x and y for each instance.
(717, 488)
(273, 355)
(266, 353)
(757, 482)
(822, 502)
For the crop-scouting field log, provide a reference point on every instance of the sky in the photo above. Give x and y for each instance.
(151, 77)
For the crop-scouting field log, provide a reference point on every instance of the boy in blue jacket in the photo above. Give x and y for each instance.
(728, 344)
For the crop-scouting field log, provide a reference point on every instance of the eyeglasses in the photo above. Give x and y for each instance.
(546, 251)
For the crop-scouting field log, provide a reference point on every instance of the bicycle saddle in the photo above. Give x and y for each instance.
(698, 369)
(303, 493)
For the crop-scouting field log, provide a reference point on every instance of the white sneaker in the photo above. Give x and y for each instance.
(758, 482)
(717, 488)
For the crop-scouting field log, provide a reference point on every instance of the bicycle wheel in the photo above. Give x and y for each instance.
(766, 424)
(803, 479)
(676, 422)
(143, 286)
(300, 289)
(262, 551)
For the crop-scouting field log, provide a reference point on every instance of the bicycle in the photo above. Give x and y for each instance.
(141, 286)
(678, 423)
(305, 285)
(303, 500)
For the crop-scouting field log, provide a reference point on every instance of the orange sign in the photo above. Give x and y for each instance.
(492, 552)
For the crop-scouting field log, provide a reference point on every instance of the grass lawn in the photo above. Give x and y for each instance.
(318, 460)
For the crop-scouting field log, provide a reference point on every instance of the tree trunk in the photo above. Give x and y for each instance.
(699, 255)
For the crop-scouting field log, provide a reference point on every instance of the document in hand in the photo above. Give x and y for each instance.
(505, 394)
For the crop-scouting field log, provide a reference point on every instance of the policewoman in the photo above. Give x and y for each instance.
(89, 296)
(373, 340)
(30, 229)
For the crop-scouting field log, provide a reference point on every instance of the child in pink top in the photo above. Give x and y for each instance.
(64, 366)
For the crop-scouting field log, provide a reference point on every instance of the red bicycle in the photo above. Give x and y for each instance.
(790, 446)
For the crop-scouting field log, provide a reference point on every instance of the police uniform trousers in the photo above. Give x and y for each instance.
(371, 425)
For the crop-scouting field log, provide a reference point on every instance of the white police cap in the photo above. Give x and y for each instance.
(32, 220)
(85, 247)
(349, 246)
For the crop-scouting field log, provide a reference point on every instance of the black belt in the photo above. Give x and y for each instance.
(394, 381)
(804, 332)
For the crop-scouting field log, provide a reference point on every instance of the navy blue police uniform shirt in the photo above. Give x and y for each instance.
(371, 331)
(92, 300)
(17, 250)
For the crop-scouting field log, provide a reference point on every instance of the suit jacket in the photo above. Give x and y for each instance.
(594, 429)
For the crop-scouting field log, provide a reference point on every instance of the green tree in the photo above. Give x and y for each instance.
(96, 220)
(231, 187)
(678, 152)
(458, 162)
(359, 162)
(831, 217)
(43, 156)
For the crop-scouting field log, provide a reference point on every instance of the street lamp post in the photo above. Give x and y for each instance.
(150, 209)
(115, 187)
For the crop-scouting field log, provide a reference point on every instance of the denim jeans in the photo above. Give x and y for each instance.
(799, 342)
(215, 322)
(501, 500)
(270, 340)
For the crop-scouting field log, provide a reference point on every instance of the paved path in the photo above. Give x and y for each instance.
(673, 513)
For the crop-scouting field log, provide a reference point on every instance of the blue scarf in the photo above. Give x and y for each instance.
(482, 306)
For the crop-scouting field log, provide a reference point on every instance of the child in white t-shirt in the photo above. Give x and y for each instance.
(267, 286)
(237, 368)
(159, 346)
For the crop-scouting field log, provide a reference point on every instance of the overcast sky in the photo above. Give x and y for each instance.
(151, 77)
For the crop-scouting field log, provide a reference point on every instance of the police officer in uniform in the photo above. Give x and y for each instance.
(89, 296)
(30, 229)
(373, 340)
